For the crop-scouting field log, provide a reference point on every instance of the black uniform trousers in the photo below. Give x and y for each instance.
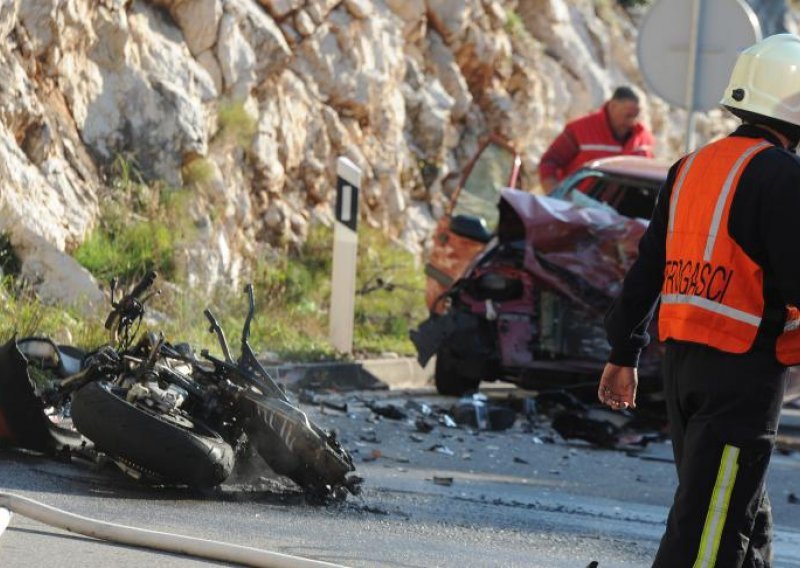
(723, 411)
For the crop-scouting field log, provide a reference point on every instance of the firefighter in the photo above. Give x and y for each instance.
(721, 255)
(612, 130)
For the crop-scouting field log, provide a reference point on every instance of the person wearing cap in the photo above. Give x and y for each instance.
(721, 256)
(612, 130)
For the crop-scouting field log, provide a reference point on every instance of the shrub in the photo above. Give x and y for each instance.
(10, 263)
(235, 123)
(139, 228)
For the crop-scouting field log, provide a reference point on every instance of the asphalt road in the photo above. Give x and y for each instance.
(522, 497)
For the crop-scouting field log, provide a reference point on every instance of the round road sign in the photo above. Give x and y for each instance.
(667, 39)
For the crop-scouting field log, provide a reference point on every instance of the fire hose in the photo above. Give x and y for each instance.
(143, 538)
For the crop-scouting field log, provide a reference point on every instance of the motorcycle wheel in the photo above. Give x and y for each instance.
(447, 378)
(176, 448)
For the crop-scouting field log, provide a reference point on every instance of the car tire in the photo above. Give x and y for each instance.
(185, 452)
(449, 381)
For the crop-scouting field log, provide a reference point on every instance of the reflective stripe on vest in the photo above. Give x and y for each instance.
(712, 306)
(676, 193)
(712, 291)
(600, 148)
(723, 197)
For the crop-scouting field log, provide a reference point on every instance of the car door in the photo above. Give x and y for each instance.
(471, 216)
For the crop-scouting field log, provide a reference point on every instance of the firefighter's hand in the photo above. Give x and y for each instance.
(618, 387)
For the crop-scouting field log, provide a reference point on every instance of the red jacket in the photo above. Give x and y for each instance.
(589, 138)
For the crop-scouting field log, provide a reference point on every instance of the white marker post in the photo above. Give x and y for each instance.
(345, 252)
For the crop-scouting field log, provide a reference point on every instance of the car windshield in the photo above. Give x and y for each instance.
(632, 197)
(481, 190)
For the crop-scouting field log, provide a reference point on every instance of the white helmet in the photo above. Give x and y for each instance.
(766, 79)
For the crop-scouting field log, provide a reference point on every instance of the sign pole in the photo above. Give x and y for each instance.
(691, 73)
(345, 252)
(687, 48)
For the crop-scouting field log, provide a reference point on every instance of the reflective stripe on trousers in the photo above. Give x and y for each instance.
(718, 508)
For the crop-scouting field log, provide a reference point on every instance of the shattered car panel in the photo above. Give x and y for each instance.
(472, 215)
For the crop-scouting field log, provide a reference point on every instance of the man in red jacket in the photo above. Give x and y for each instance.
(612, 130)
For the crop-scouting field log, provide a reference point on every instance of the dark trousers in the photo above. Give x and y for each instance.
(723, 411)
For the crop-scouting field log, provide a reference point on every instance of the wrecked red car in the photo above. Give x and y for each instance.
(518, 283)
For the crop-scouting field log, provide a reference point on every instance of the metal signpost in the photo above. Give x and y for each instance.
(345, 252)
(687, 48)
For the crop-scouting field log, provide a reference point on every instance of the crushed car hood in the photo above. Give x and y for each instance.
(581, 250)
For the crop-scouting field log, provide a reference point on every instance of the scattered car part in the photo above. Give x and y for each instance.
(570, 426)
(476, 411)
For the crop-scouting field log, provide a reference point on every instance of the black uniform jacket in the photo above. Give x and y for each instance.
(764, 221)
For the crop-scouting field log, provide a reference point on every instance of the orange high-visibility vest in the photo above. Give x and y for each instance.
(713, 293)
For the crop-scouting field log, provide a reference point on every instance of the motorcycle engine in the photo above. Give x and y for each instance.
(161, 399)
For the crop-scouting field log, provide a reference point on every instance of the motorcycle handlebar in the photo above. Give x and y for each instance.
(131, 301)
(143, 285)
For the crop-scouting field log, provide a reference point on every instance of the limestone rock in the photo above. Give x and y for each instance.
(358, 8)
(281, 8)
(8, 16)
(262, 34)
(199, 21)
(57, 277)
(237, 59)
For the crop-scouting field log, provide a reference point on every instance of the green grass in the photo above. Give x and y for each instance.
(197, 172)
(129, 252)
(292, 295)
(513, 25)
(391, 295)
(141, 226)
(23, 315)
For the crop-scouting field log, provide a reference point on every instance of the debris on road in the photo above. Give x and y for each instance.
(476, 411)
(389, 411)
(308, 397)
(441, 449)
(423, 425)
(599, 432)
(446, 481)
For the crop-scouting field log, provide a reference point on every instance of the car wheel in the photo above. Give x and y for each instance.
(448, 377)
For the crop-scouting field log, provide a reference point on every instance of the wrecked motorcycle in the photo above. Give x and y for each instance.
(159, 411)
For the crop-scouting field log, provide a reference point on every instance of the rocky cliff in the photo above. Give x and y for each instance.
(261, 96)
